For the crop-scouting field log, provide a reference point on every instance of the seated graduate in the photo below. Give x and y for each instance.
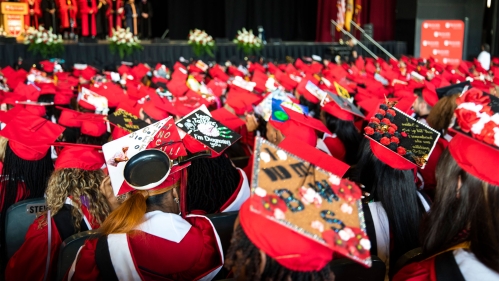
(459, 235)
(214, 185)
(147, 238)
(393, 205)
(75, 204)
(292, 226)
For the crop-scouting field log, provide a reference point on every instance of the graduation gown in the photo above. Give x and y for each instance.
(32, 19)
(29, 262)
(454, 264)
(336, 147)
(88, 11)
(113, 16)
(132, 14)
(101, 17)
(164, 247)
(145, 29)
(66, 15)
(49, 20)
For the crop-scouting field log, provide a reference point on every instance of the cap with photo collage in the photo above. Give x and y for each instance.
(308, 215)
(31, 136)
(475, 147)
(341, 108)
(398, 140)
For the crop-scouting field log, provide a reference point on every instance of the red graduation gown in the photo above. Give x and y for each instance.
(66, 15)
(167, 247)
(336, 147)
(87, 16)
(113, 18)
(29, 262)
(36, 13)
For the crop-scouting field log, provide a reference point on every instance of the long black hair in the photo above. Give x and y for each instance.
(313, 108)
(244, 257)
(49, 109)
(397, 192)
(348, 134)
(472, 216)
(100, 140)
(210, 183)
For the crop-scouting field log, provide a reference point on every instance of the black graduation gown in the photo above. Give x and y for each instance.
(101, 19)
(49, 20)
(130, 20)
(145, 29)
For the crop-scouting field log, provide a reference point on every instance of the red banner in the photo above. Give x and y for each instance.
(442, 40)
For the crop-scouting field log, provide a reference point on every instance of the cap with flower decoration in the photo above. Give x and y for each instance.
(398, 140)
(475, 147)
(307, 210)
(30, 136)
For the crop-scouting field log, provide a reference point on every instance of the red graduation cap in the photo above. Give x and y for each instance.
(300, 126)
(302, 89)
(177, 87)
(284, 79)
(260, 78)
(28, 92)
(334, 109)
(139, 71)
(112, 92)
(124, 69)
(154, 111)
(475, 147)
(30, 136)
(217, 72)
(316, 67)
(80, 157)
(47, 66)
(7, 116)
(227, 119)
(252, 66)
(69, 118)
(430, 94)
(218, 87)
(93, 124)
(233, 71)
(241, 101)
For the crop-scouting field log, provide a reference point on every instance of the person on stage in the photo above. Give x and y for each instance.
(31, 19)
(68, 10)
(132, 13)
(48, 9)
(101, 18)
(145, 8)
(88, 10)
(114, 14)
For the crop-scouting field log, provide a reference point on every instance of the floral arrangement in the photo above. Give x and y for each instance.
(474, 115)
(201, 43)
(248, 42)
(124, 42)
(43, 41)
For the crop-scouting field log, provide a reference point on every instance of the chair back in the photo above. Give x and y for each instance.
(18, 219)
(224, 225)
(347, 269)
(69, 249)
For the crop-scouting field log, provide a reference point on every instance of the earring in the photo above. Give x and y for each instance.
(178, 203)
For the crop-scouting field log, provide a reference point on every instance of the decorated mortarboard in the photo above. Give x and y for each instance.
(313, 93)
(475, 147)
(75, 156)
(30, 136)
(341, 108)
(398, 140)
(264, 108)
(93, 101)
(307, 211)
(205, 129)
(161, 135)
(452, 89)
(126, 121)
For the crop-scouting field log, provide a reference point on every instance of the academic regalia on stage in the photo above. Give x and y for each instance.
(145, 29)
(164, 247)
(88, 11)
(68, 11)
(101, 18)
(49, 20)
(132, 13)
(31, 19)
(29, 262)
(114, 14)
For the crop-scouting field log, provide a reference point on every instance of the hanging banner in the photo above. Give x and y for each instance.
(442, 40)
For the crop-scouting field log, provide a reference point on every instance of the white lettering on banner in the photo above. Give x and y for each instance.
(431, 25)
(36, 208)
(441, 34)
(450, 61)
(441, 52)
(454, 44)
(454, 25)
(434, 44)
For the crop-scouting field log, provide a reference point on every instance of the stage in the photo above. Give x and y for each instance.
(98, 54)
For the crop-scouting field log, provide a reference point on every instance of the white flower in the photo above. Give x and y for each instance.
(365, 243)
(260, 192)
(346, 233)
(318, 225)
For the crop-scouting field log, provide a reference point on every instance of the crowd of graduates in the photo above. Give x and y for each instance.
(55, 120)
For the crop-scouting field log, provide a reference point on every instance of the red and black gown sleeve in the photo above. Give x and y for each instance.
(86, 267)
(418, 271)
(29, 262)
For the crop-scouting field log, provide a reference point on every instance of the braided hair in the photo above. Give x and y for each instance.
(210, 183)
(244, 258)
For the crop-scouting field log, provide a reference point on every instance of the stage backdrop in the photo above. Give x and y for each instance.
(289, 20)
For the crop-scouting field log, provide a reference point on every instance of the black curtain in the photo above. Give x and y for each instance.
(289, 20)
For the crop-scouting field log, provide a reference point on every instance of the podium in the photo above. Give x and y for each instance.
(12, 14)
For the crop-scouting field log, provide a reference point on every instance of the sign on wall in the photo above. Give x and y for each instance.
(442, 40)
